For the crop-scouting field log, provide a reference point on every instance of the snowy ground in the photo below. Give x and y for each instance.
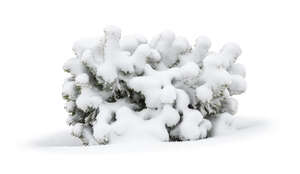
(241, 128)
(246, 149)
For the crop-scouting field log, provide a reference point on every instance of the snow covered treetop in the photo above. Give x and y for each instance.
(128, 89)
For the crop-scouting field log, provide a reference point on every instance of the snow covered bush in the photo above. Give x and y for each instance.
(128, 89)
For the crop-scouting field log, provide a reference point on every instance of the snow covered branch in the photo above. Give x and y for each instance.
(129, 89)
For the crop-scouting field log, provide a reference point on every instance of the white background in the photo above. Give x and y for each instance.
(36, 39)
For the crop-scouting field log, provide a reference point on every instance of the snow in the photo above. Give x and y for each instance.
(249, 133)
(74, 66)
(110, 54)
(69, 106)
(169, 116)
(169, 46)
(238, 85)
(199, 51)
(204, 93)
(77, 130)
(224, 124)
(129, 126)
(238, 69)
(230, 105)
(131, 42)
(141, 55)
(123, 88)
(225, 129)
(182, 100)
(89, 98)
(193, 126)
(168, 94)
(202, 45)
(156, 85)
(188, 70)
(215, 78)
(82, 80)
(231, 50)
(68, 89)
